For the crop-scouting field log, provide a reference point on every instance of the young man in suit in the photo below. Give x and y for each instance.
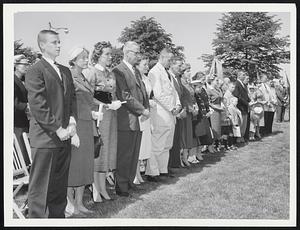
(50, 96)
(164, 116)
(241, 92)
(129, 88)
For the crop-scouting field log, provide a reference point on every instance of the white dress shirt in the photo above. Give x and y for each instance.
(51, 62)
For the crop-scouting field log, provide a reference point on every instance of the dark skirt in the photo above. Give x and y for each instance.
(174, 157)
(187, 132)
(202, 130)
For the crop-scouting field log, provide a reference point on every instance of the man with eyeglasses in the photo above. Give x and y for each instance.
(129, 88)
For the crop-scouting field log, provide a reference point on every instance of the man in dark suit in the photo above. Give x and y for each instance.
(175, 71)
(241, 92)
(50, 96)
(129, 88)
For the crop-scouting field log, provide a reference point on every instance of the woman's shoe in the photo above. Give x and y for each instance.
(136, 181)
(105, 197)
(186, 163)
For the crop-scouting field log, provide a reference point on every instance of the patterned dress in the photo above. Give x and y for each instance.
(99, 76)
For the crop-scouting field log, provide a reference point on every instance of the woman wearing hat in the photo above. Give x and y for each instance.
(21, 108)
(201, 125)
(215, 98)
(81, 171)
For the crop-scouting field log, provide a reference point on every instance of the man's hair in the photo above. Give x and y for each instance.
(174, 59)
(41, 35)
(164, 52)
(128, 46)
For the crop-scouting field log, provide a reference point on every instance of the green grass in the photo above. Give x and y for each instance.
(250, 183)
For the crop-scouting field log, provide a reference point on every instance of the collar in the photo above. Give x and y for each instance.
(241, 82)
(49, 60)
(172, 74)
(128, 65)
(100, 67)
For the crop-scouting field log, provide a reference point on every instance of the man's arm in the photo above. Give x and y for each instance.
(123, 94)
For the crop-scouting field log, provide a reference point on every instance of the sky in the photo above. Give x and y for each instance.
(193, 30)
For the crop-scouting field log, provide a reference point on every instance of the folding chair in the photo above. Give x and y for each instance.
(27, 145)
(20, 176)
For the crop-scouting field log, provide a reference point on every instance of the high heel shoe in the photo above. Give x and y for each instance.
(185, 163)
(105, 198)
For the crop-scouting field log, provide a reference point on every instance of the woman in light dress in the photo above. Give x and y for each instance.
(146, 146)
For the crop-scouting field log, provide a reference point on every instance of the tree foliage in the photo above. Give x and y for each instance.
(28, 52)
(249, 41)
(151, 36)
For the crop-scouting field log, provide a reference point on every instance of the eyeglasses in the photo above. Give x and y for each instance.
(135, 52)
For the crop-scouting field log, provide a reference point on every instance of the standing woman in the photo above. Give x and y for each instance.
(187, 126)
(201, 125)
(21, 108)
(102, 80)
(215, 98)
(82, 158)
(146, 145)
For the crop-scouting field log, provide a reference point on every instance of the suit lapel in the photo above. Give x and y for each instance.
(52, 71)
(125, 67)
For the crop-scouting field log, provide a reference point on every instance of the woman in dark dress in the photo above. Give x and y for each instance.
(21, 109)
(201, 125)
(81, 169)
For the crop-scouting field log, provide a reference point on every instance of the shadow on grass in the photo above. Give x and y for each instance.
(107, 209)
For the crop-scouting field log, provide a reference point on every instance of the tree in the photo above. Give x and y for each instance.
(151, 37)
(117, 56)
(249, 41)
(28, 52)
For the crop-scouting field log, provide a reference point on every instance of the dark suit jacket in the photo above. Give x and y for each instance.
(51, 103)
(130, 88)
(243, 99)
(20, 104)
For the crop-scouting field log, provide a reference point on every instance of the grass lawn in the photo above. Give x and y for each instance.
(250, 183)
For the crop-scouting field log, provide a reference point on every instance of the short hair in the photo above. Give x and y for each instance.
(41, 35)
(186, 66)
(198, 76)
(143, 57)
(98, 51)
(128, 46)
(174, 59)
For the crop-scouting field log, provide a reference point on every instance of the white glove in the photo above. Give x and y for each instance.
(115, 105)
(75, 141)
(95, 115)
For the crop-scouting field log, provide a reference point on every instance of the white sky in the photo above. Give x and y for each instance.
(193, 30)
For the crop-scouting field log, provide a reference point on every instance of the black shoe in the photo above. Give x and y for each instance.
(153, 178)
(125, 194)
(166, 175)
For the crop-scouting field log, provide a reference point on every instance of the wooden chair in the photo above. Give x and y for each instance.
(27, 145)
(20, 176)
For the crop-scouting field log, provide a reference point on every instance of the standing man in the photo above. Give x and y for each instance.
(168, 106)
(241, 92)
(51, 97)
(131, 89)
(174, 72)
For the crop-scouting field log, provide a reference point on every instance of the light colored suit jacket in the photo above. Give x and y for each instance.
(165, 95)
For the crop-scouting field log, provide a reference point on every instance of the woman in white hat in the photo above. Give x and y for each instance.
(81, 171)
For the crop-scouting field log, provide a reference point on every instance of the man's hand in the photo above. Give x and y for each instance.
(146, 113)
(182, 114)
(72, 129)
(95, 115)
(63, 134)
(75, 141)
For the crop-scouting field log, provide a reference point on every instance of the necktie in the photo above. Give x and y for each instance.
(60, 75)
(169, 76)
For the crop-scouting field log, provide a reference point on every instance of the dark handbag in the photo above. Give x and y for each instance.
(97, 146)
(104, 97)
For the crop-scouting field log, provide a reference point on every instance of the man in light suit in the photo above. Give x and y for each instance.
(50, 97)
(129, 88)
(168, 106)
(241, 92)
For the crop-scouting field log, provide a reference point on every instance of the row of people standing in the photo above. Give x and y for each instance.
(160, 116)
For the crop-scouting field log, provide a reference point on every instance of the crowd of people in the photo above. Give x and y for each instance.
(89, 123)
